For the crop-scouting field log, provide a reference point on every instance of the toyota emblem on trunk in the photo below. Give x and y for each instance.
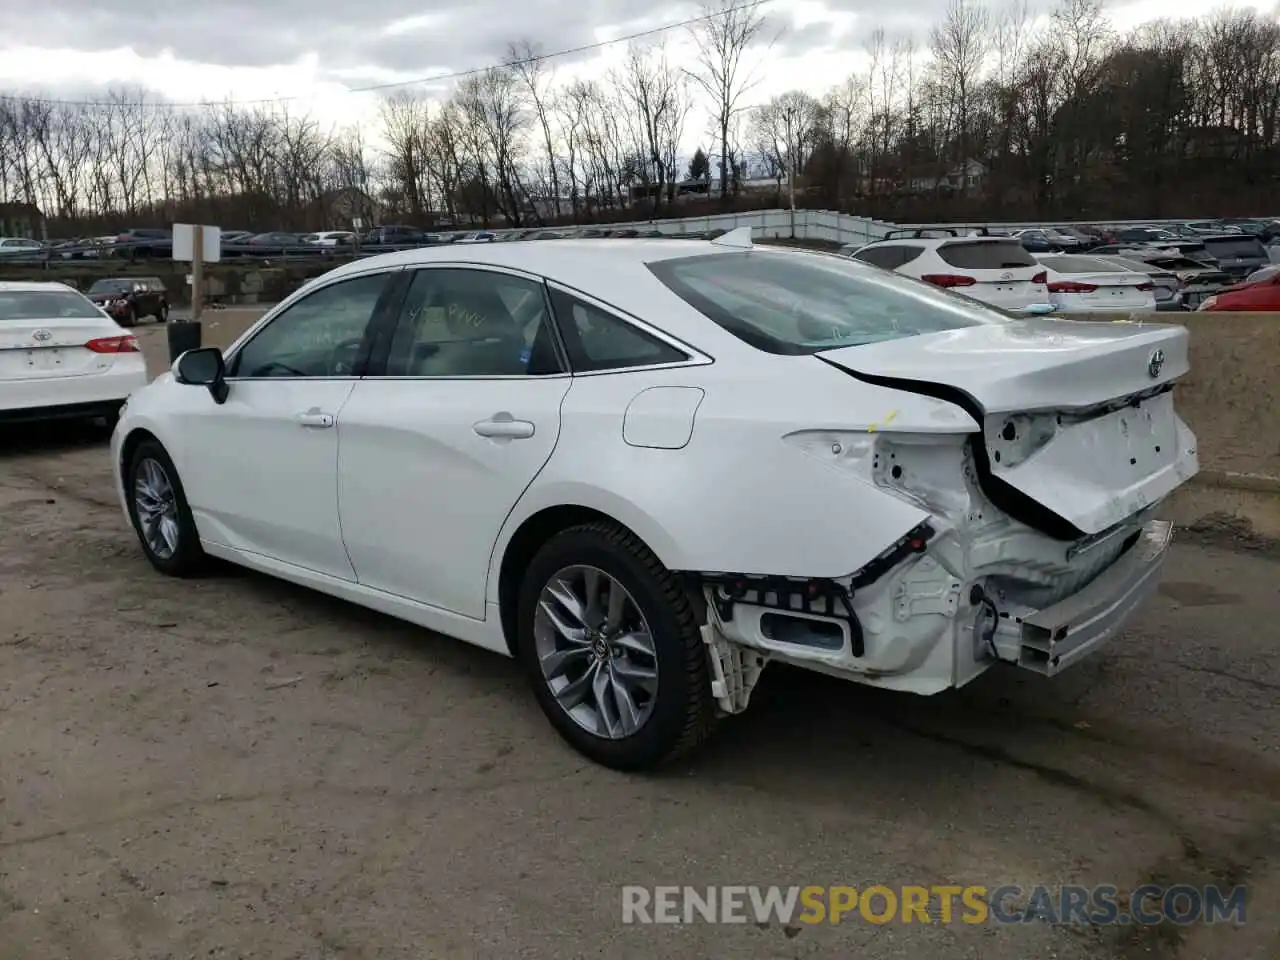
(1156, 363)
(42, 335)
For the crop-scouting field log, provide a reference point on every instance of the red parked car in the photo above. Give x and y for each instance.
(1259, 294)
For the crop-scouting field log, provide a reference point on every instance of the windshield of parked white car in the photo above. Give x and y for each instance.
(16, 306)
(803, 303)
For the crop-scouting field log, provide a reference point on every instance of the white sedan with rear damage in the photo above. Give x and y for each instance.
(647, 468)
(61, 356)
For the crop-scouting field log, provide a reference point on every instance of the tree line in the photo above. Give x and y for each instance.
(991, 114)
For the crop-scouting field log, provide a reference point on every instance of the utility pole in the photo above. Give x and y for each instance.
(197, 272)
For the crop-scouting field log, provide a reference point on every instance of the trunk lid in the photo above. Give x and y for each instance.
(1079, 430)
(35, 349)
(1111, 291)
(1040, 363)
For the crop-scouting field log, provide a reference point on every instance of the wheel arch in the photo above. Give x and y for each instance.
(134, 439)
(538, 528)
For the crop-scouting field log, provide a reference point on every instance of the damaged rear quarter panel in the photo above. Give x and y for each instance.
(738, 497)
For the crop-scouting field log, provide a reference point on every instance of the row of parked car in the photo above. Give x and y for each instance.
(1219, 271)
(148, 243)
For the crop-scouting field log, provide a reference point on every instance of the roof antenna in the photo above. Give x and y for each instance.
(739, 238)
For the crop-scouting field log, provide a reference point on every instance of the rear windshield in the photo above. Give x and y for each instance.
(1235, 247)
(796, 303)
(986, 255)
(17, 306)
(1083, 265)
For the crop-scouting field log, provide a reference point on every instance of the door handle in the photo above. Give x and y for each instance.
(315, 419)
(502, 426)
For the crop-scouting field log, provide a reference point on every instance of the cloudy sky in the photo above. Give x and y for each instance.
(317, 51)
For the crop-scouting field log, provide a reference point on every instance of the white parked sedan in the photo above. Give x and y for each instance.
(646, 468)
(61, 356)
(1083, 284)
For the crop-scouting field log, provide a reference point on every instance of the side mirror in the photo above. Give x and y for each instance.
(204, 367)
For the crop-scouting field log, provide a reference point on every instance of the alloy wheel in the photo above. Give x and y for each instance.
(156, 504)
(596, 652)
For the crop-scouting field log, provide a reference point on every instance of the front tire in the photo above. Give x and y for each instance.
(160, 513)
(611, 645)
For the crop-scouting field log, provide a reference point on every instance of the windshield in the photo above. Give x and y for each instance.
(1241, 246)
(22, 305)
(111, 286)
(796, 303)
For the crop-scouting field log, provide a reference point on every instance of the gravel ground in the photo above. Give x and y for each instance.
(235, 767)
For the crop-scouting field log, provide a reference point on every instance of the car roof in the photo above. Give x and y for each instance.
(935, 241)
(33, 286)
(568, 261)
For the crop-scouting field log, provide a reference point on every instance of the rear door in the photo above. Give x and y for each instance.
(1004, 274)
(437, 446)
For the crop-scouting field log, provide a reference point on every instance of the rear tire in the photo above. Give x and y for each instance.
(670, 712)
(160, 513)
(163, 315)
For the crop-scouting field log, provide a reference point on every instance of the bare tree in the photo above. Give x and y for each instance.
(723, 38)
(531, 70)
(960, 45)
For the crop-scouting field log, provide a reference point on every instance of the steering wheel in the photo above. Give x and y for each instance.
(342, 357)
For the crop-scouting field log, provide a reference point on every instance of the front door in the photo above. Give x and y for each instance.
(260, 471)
(437, 447)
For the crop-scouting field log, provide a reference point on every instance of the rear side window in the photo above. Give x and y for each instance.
(986, 255)
(18, 306)
(798, 303)
(886, 257)
(1236, 247)
(596, 340)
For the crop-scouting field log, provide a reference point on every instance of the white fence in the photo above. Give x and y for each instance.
(828, 225)
(809, 225)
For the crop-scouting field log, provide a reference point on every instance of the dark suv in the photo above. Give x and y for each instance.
(1238, 254)
(143, 243)
(128, 299)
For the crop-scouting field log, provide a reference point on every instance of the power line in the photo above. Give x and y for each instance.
(398, 84)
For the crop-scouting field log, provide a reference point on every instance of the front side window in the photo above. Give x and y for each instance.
(473, 323)
(318, 336)
(796, 303)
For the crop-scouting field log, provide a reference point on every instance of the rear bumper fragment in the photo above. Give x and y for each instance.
(1056, 637)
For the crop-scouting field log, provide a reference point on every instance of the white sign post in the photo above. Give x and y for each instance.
(197, 244)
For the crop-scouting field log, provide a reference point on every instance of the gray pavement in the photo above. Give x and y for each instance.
(234, 767)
